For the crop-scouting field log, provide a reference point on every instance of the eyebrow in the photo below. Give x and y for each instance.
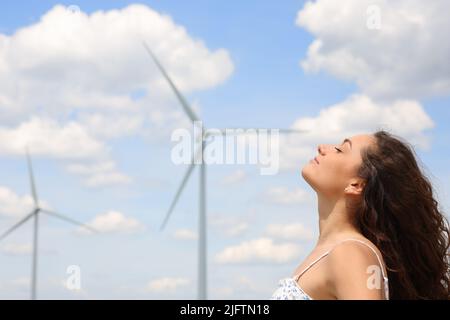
(349, 141)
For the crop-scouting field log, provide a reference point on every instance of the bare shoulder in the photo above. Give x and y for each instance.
(355, 271)
(353, 254)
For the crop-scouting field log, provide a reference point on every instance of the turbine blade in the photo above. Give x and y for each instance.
(33, 186)
(67, 219)
(187, 109)
(17, 225)
(179, 191)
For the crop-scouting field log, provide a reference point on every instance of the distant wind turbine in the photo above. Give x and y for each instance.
(202, 249)
(35, 214)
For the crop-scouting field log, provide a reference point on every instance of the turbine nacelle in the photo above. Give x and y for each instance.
(198, 154)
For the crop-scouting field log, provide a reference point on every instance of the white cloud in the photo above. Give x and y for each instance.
(356, 115)
(222, 292)
(403, 59)
(107, 179)
(17, 249)
(284, 196)
(100, 174)
(46, 136)
(67, 64)
(109, 126)
(21, 282)
(228, 225)
(167, 284)
(244, 283)
(237, 229)
(295, 231)
(261, 250)
(241, 287)
(14, 205)
(71, 141)
(185, 234)
(114, 222)
(71, 82)
(24, 249)
(235, 177)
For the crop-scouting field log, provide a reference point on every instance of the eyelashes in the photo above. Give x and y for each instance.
(339, 150)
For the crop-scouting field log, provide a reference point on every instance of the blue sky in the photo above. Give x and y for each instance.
(259, 82)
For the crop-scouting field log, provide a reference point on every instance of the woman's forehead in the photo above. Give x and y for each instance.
(361, 140)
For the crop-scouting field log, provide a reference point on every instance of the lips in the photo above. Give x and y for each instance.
(317, 161)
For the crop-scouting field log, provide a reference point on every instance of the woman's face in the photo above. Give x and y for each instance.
(337, 167)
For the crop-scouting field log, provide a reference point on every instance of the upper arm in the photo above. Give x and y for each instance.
(355, 272)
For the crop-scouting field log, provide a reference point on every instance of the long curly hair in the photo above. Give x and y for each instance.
(398, 213)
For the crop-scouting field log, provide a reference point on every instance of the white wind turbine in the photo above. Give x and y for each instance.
(199, 155)
(35, 214)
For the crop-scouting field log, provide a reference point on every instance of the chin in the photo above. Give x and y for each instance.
(308, 175)
(305, 172)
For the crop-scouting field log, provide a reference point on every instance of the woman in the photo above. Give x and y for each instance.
(382, 235)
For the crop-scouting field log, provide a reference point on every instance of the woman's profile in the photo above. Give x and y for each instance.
(382, 234)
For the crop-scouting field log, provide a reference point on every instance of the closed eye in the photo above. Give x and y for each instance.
(339, 150)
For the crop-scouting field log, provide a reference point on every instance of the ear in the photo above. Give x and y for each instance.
(355, 188)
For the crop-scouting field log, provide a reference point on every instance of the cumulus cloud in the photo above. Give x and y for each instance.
(24, 249)
(356, 115)
(167, 284)
(294, 231)
(114, 222)
(234, 178)
(86, 79)
(285, 196)
(230, 226)
(185, 234)
(17, 249)
(11, 204)
(14, 205)
(112, 125)
(70, 141)
(46, 136)
(20, 282)
(261, 250)
(74, 61)
(402, 59)
(240, 287)
(99, 174)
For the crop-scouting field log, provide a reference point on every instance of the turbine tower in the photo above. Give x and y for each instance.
(35, 215)
(199, 156)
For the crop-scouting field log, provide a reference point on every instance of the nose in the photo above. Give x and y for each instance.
(323, 148)
(320, 149)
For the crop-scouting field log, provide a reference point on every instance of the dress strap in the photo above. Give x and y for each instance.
(310, 265)
(370, 247)
(385, 278)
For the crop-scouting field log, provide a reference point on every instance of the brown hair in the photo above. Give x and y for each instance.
(399, 214)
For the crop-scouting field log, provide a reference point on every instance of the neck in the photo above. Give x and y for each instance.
(334, 220)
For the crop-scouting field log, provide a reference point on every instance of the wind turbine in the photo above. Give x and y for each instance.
(35, 214)
(202, 249)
